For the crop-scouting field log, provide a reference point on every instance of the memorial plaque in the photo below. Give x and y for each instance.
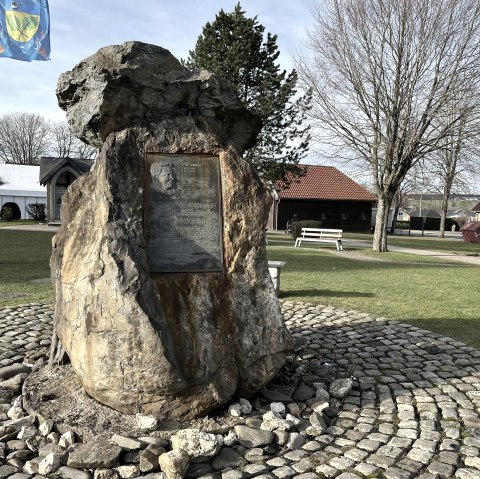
(183, 213)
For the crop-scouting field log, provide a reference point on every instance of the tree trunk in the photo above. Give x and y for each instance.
(443, 213)
(381, 222)
(443, 216)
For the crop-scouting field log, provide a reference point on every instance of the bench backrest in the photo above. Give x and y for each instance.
(332, 233)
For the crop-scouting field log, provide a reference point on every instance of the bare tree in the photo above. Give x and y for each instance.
(64, 144)
(452, 165)
(384, 74)
(84, 150)
(23, 138)
(62, 139)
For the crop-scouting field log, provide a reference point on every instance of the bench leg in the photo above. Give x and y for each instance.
(339, 245)
(298, 241)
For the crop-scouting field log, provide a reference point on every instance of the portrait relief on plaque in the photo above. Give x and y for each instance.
(183, 221)
(164, 178)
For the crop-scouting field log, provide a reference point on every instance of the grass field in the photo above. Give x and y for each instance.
(434, 294)
(24, 256)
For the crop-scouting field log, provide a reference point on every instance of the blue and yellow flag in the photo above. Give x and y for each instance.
(25, 30)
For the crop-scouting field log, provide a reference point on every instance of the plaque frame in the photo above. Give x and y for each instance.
(173, 199)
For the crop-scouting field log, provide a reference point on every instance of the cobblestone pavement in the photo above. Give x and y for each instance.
(414, 412)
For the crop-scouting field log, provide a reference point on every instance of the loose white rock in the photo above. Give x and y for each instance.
(46, 427)
(26, 432)
(174, 463)
(146, 422)
(235, 410)
(231, 438)
(15, 412)
(271, 415)
(49, 464)
(199, 445)
(294, 420)
(278, 407)
(67, 439)
(128, 472)
(53, 437)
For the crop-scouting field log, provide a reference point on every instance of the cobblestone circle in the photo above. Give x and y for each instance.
(414, 411)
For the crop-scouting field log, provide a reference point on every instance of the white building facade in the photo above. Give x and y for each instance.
(21, 186)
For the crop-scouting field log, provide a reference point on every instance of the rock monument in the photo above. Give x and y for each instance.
(164, 303)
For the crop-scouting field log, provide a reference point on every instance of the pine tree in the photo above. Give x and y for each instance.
(234, 48)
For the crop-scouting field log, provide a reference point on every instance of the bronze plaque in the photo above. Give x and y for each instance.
(183, 213)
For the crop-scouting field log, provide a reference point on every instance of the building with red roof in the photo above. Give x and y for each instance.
(326, 194)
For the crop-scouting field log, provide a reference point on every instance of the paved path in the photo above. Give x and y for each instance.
(414, 411)
(461, 258)
(34, 227)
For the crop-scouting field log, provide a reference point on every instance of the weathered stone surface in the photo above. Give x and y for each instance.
(7, 470)
(339, 388)
(127, 443)
(14, 383)
(174, 463)
(251, 437)
(149, 458)
(45, 428)
(199, 445)
(303, 392)
(128, 471)
(70, 473)
(165, 345)
(94, 454)
(12, 370)
(50, 463)
(137, 83)
(228, 458)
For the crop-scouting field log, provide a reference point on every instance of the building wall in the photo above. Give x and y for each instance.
(22, 202)
(347, 215)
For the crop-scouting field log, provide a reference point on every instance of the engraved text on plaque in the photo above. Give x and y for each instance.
(183, 217)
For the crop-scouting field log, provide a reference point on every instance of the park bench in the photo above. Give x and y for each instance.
(321, 235)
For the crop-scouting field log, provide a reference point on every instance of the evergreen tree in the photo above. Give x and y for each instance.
(233, 47)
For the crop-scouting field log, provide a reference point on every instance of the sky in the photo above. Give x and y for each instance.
(80, 28)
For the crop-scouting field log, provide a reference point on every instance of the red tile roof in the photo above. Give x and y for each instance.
(324, 183)
(476, 208)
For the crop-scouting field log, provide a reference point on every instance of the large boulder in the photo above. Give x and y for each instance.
(173, 345)
(141, 84)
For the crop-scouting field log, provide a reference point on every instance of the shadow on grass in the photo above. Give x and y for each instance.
(323, 292)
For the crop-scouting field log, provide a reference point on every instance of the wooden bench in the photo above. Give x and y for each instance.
(321, 235)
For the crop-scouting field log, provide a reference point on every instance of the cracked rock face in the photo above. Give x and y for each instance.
(140, 84)
(169, 345)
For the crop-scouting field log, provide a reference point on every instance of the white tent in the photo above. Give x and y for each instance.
(21, 186)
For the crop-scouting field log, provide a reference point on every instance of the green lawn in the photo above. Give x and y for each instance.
(434, 294)
(24, 256)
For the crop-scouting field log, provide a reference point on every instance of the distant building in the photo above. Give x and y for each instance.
(57, 174)
(424, 213)
(323, 193)
(21, 187)
(476, 210)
